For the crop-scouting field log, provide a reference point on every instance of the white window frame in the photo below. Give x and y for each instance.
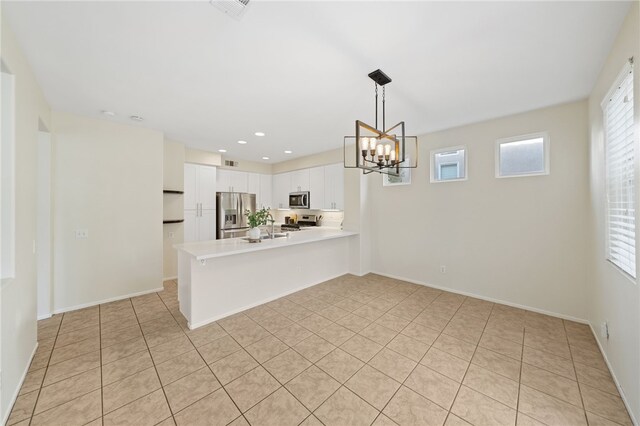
(435, 172)
(546, 142)
(628, 68)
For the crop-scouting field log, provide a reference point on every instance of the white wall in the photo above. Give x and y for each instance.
(612, 296)
(519, 240)
(173, 205)
(18, 308)
(108, 180)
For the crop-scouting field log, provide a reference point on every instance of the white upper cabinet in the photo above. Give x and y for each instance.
(190, 185)
(325, 184)
(253, 185)
(334, 187)
(265, 194)
(316, 188)
(300, 180)
(281, 188)
(207, 187)
(232, 181)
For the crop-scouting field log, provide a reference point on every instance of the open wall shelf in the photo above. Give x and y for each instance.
(173, 221)
(171, 191)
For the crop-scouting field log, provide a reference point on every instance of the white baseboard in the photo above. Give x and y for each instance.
(111, 299)
(613, 375)
(45, 316)
(488, 299)
(17, 391)
(169, 278)
(262, 302)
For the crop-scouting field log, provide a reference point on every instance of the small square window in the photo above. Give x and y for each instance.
(522, 155)
(449, 164)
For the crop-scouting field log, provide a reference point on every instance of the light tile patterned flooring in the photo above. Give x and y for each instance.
(351, 351)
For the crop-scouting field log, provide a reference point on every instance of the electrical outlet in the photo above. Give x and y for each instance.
(82, 234)
(443, 269)
(604, 330)
(172, 235)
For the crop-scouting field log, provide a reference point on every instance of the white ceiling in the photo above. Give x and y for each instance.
(298, 70)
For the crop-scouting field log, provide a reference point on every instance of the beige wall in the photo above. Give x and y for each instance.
(108, 180)
(321, 159)
(202, 157)
(18, 304)
(613, 297)
(248, 166)
(519, 240)
(173, 233)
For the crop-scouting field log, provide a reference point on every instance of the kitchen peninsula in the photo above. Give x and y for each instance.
(221, 277)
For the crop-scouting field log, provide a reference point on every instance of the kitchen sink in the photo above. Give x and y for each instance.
(267, 237)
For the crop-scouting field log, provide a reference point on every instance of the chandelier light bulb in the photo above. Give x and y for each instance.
(364, 144)
(387, 149)
(392, 156)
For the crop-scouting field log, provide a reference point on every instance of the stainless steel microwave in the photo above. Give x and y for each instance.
(299, 200)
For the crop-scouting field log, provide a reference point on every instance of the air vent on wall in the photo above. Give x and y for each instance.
(231, 163)
(233, 8)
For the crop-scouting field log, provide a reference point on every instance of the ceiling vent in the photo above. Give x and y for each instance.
(231, 163)
(233, 8)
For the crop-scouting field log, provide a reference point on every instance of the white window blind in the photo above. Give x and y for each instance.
(620, 179)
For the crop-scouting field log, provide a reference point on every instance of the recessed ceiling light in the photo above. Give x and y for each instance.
(242, 142)
(265, 158)
(288, 152)
(109, 113)
(136, 118)
(222, 150)
(259, 133)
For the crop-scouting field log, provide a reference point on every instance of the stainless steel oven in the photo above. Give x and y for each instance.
(299, 200)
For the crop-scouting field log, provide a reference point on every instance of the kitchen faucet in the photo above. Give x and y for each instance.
(270, 219)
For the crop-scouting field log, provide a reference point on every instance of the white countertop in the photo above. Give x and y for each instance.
(202, 250)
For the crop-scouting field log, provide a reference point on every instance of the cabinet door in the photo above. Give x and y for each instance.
(266, 199)
(207, 225)
(253, 186)
(334, 187)
(316, 188)
(207, 187)
(300, 180)
(281, 189)
(224, 180)
(190, 186)
(338, 171)
(190, 226)
(239, 181)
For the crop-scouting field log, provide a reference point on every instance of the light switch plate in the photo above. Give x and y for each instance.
(82, 234)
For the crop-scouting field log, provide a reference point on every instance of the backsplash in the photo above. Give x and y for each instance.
(332, 219)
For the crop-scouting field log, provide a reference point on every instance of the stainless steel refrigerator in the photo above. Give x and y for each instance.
(231, 208)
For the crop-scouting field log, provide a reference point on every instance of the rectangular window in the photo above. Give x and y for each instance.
(449, 164)
(7, 173)
(620, 173)
(525, 155)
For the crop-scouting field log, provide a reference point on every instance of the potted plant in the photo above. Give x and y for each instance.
(256, 219)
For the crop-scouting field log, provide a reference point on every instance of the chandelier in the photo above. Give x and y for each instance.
(381, 150)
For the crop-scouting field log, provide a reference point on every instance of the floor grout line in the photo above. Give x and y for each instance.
(319, 297)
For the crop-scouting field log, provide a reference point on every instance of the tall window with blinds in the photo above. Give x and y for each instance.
(620, 169)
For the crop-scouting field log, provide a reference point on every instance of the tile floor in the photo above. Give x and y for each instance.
(351, 351)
